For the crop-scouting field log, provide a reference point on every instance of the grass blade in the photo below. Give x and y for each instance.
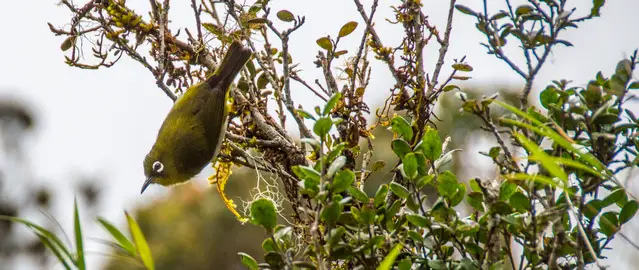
(546, 161)
(544, 130)
(79, 244)
(535, 178)
(575, 165)
(140, 242)
(123, 242)
(46, 233)
(47, 243)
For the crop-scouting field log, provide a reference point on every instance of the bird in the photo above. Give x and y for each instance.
(193, 130)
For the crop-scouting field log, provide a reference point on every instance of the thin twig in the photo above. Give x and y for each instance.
(376, 39)
(583, 234)
(297, 78)
(443, 49)
(362, 45)
(252, 141)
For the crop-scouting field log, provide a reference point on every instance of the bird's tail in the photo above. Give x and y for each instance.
(234, 59)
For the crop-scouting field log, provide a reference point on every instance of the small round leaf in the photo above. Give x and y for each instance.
(263, 213)
(248, 261)
(325, 43)
(347, 29)
(285, 15)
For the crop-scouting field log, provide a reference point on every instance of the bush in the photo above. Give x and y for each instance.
(557, 196)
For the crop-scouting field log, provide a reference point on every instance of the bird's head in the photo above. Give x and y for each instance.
(158, 169)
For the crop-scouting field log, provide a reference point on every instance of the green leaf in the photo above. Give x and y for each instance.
(628, 211)
(213, 29)
(606, 119)
(609, 223)
(450, 87)
(549, 97)
(123, 242)
(269, 245)
(465, 10)
(543, 130)
(462, 67)
(425, 180)
(401, 126)
(393, 209)
(331, 103)
(614, 197)
(325, 43)
(410, 165)
(336, 235)
(596, 7)
(400, 147)
(367, 215)
(506, 190)
(285, 15)
(323, 126)
(520, 202)
(274, 259)
(305, 114)
(577, 165)
(634, 85)
(335, 151)
(308, 172)
(140, 242)
(499, 15)
(378, 165)
(592, 208)
(336, 165)
(257, 22)
(263, 213)
(347, 29)
(52, 246)
(248, 261)
(405, 264)
(533, 177)
(68, 43)
(331, 213)
(437, 264)
(342, 181)
(399, 190)
(309, 187)
(380, 195)
(417, 220)
(431, 144)
(42, 232)
(358, 194)
(523, 10)
(458, 196)
(415, 236)
(337, 54)
(79, 243)
(501, 208)
(447, 184)
(475, 199)
(389, 260)
(283, 233)
(474, 185)
(546, 161)
(262, 81)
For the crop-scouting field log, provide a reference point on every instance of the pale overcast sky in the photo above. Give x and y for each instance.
(105, 121)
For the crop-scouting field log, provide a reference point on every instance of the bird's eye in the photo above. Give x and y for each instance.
(158, 166)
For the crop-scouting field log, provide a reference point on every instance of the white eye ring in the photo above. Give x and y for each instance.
(158, 166)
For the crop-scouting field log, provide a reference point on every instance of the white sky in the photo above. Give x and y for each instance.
(103, 122)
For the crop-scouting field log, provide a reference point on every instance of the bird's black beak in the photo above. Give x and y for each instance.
(146, 184)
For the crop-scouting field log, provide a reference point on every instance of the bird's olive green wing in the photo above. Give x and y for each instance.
(214, 119)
